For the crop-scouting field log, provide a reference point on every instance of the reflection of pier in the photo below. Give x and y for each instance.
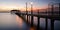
(52, 18)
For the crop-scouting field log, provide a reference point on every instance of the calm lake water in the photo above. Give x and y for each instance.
(10, 21)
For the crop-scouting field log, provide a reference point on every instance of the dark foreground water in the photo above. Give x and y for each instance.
(10, 21)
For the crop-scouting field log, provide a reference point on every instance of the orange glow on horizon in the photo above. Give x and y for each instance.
(5, 8)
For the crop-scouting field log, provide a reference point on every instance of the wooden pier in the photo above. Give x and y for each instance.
(52, 18)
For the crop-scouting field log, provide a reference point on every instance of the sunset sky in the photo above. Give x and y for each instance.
(21, 4)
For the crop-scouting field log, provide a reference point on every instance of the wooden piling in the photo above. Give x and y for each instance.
(31, 18)
(52, 15)
(46, 24)
(52, 24)
(38, 22)
(59, 9)
(27, 16)
(46, 21)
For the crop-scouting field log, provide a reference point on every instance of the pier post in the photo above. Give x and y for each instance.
(26, 12)
(31, 18)
(46, 25)
(59, 9)
(27, 16)
(31, 14)
(52, 24)
(52, 15)
(38, 24)
(46, 21)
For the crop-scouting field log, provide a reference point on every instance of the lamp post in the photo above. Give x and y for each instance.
(26, 11)
(26, 7)
(52, 14)
(31, 7)
(31, 13)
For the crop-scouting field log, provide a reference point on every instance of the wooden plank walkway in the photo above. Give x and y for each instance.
(55, 17)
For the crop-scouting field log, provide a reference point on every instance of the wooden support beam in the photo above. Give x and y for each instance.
(32, 18)
(46, 21)
(52, 15)
(46, 25)
(52, 24)
(27, 16)
(59, 9)
(38, 24)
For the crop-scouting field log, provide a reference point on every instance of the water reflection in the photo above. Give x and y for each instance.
(7, 20)
(12, 21)
(22, 25)
(19, 21)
